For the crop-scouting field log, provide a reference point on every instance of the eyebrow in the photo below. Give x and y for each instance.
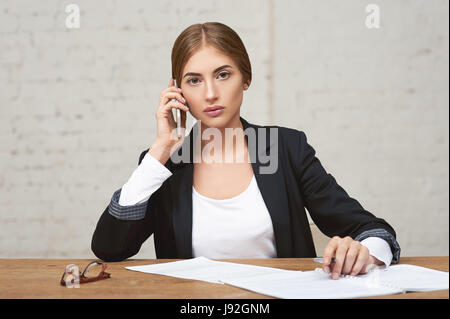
(216, 70)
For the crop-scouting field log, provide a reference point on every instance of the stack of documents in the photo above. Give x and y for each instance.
(292, 284)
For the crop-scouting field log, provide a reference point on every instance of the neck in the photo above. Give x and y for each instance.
(231, 144)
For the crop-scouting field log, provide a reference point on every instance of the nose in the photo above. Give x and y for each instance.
(211, 92)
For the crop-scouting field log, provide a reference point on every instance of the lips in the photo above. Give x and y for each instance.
(213, 108)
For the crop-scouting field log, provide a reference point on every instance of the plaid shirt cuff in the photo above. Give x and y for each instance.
(384, 234)
(131, 212)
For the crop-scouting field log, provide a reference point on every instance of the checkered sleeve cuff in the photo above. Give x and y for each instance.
(387, 236)
(131, 212)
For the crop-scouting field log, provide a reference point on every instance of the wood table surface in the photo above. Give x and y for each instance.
(40, 279)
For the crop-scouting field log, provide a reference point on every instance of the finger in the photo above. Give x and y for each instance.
(171, 82)
(351, 256)
(368, 265)
(329, 252)
(175, 104)
(361, 261)
(173, 95)
(166, 110)
(341, 252)
(170, 88)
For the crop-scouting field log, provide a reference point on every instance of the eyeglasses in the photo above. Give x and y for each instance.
(72, 275)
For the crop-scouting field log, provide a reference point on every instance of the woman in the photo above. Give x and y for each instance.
(233, 209)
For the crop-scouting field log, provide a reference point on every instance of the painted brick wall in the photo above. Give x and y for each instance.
(77, 106)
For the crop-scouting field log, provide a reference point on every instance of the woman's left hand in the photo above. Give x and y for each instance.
(351, 258)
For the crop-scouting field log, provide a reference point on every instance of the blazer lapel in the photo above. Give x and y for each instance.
(272, 185)
(182, 211)
(272, 188)
(181, 186)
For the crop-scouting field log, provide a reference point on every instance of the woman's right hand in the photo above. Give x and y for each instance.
(166, 125)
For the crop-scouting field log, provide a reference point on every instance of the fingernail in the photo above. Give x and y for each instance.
(326, 269)
(335, 275)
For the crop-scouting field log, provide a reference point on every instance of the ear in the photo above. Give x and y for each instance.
(246, 85)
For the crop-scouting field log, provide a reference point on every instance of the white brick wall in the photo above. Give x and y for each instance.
(77, 106)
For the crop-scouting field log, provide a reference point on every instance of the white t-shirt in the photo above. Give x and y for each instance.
(237, 227)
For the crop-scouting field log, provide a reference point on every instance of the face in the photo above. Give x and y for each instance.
(206, 82)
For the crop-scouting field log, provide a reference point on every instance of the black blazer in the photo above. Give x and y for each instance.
(300, 181)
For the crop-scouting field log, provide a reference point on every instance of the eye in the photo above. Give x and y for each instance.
(220, 75)
(189, 81)
(226, 73)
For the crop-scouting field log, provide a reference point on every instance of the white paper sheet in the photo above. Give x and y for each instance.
(415, 278)
(204, 269)
(311, 285)
(292, 284)
(319, 285)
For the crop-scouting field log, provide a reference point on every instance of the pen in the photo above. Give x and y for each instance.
(320, 260)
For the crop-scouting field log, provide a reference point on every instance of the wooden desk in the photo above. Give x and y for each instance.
(39, 278)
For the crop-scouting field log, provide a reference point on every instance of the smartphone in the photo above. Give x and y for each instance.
(178, 114)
